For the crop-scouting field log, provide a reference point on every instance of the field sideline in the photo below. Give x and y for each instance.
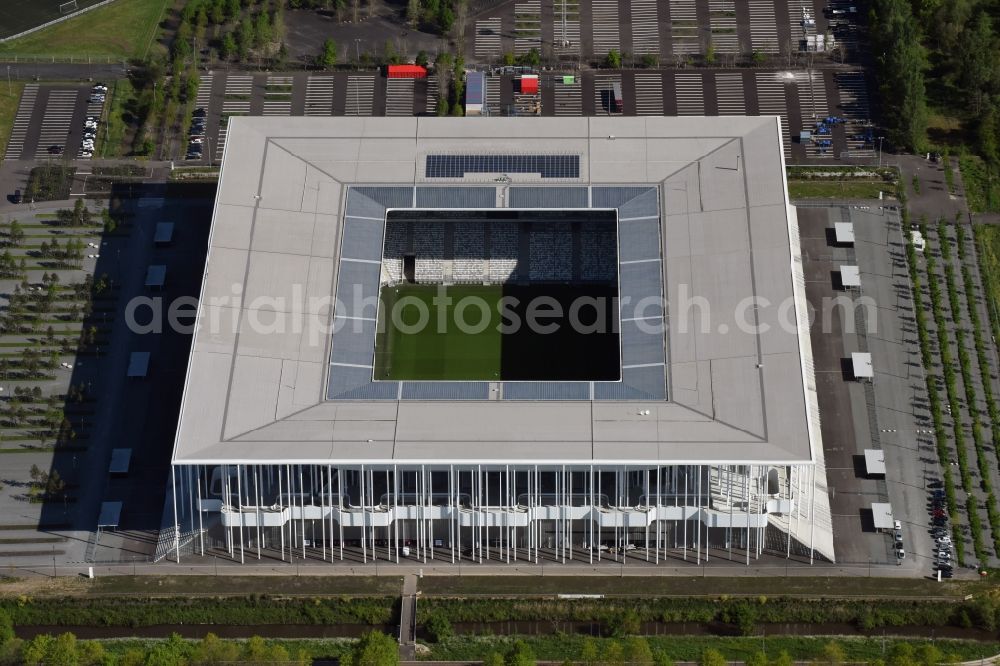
(123, 30)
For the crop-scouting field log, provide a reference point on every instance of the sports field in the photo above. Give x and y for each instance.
(20, 15)
(487, 347)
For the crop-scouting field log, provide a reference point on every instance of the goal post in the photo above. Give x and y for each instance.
(70, 6)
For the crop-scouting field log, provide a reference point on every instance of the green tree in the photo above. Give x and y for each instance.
(213, 650)
(901, 654)
(758, 57)
(227, 49)
(262, 33)
(637, 652)
(508, 59)
(977, 63)
(519, 654)
(928, 654)
(422, 59)
(625, 623)
(613, 60)
(710, 57)
(6, 627)
(375, 649)
(758, 658)
(493, 659)
(783, 659)
(614, 655)
(15, 233)
(900, 64)
(413, 12)
(328, 56)
(712, 657)
(588, 652)
(437, 627)
(833, 654)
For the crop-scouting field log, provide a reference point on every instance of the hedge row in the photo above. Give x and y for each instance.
(934, 400)
(865, 613)
(139, 612)
(965, 363)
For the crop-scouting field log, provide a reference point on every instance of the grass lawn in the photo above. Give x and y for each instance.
(982, 188)
(123, 29)
(113, 146)
(690, 648)
(227, 584)
(437, 352)
(8, 109)
(694, 586)
(482, 333)
(837, 189)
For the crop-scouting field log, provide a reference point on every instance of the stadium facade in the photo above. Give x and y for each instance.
(706, 445)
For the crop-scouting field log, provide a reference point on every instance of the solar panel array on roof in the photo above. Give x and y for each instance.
(548, 166)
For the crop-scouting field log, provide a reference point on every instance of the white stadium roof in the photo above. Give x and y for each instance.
(294, 191)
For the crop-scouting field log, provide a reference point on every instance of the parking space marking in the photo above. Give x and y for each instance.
(319, 96)
(645, 27)
(488, 38)
(815, 109)
(493, 95)
(278, 95)
(690, 94)
(799, 11)
(204, 96)
(566, 28)
(56, 123)
(853, 92)
(568, 99)
(399, 97)
(649, 94)
(360, 96)
(771, 102)
(527, 26)
(763, 26)
(22, 120)
(605, 27)
(430, 106)
(604, 85)
(722, 22)
(729, 94)
(684, 27)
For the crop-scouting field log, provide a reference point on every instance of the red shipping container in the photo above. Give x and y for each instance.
(406, 72)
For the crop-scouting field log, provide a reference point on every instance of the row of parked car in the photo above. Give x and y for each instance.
(196, 134)
(97, 95)
(939, 531)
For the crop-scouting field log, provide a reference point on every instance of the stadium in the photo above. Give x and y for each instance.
(515, 340)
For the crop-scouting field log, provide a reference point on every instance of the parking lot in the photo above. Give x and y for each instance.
(49, 123)
(802, 99)
(670, 30)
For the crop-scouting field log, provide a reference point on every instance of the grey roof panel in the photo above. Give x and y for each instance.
(546, 390)
(639, 240)
(445, 391)
(616, 197)
(362, 239)
(548, 197)
(643, 205)
(456, 197)
(387, 197)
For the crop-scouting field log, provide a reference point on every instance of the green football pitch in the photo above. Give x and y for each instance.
(420, 340)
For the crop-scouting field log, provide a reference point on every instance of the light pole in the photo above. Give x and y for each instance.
(880, 151)
(9, 91)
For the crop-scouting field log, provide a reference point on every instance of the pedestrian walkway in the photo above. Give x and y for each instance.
(22, 121)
